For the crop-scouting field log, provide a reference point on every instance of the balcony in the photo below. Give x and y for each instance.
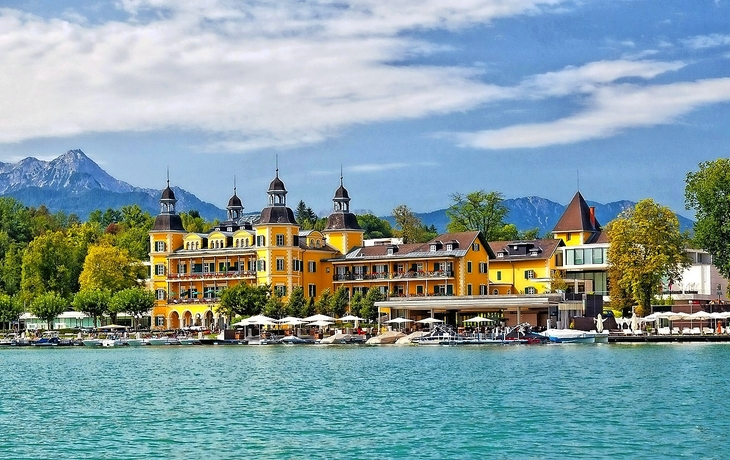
(211, 275)
(440, 274)
(185, 300)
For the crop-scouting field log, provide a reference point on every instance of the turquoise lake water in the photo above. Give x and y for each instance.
(184, 402)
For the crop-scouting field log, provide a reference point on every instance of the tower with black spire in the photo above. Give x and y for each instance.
(342, 230)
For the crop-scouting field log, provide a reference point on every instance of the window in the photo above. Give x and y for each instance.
(159, 320)
(468, 289)
(529, 274)
(182, 268)
(160, 246)
(298, 265)
(312, 290)
(483, 289)
(475, 247)
(312, 266)
(280, 240)
(449, 247)
(159, 269)
(419, 289)
(530, 290)
(598, 256)
(261, 265)
(499, 275)
(433, 248)
(280, 264)
(578, 257)
(280, 290)
(567, 237)
(160, 294)
(260, 240)
(483, 267)
(468, 266)
(495, 292)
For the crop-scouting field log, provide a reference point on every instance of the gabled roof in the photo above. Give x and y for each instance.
(461, 243)
(544, 249)
(577, 217)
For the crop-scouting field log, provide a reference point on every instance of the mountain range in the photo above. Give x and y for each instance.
(73, 183)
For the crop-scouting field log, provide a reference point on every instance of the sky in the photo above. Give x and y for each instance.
(412, 101)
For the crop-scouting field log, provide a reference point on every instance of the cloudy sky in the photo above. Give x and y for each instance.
(415, 100)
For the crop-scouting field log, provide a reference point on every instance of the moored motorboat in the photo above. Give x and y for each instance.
(164, 340)
(294, 340)
(113, 341)
(570, 336)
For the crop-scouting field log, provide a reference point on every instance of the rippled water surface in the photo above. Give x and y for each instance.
(552, 401)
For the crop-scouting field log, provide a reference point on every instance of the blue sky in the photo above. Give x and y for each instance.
(415, 100)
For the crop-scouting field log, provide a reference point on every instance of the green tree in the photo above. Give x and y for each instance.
(296, 302)
(193, 223)
(243, 300)
(12, 268)
(274, 307)
(356, 303)
(322, 305)
(368, 310)
(93, 302)
(47, 306)
(108, 267)
(49, 264)
(305, 216)
(707, 191)
(15, 219)
(409, 226)
(646, 247)
(135, 301)
(10, 308)
(374, 226)
(339, 301)
(308, 308)
(477, 211)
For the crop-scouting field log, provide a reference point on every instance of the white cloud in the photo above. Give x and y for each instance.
(587, 78)
(611, 109)
(261, 74)
(707, 41)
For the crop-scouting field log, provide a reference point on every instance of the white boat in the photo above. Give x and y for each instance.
(164, 340)
(92, 342)
(138, 342)
(570, 336)
(113, 341)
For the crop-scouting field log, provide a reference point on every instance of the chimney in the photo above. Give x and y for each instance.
(593, 217)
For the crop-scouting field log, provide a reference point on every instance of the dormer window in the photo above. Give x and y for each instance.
(392, 250)
(433, 247)
(500, 255)
(449, 246)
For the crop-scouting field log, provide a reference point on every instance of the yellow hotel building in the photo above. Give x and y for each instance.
(190, 270)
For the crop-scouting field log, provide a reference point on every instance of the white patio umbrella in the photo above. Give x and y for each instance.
(291, 320)
(700, 315)
(320, 323)
(430, 321)
(351, 318)
(599, 323)
(399, 320)
(319, 317)
(479, 319)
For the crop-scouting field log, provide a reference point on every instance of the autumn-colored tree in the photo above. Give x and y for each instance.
(108, 267)
(646, 248)
(50, 263)
(707, 191)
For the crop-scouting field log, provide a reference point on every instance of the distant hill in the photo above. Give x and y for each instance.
(73, 183)
(534, 212)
